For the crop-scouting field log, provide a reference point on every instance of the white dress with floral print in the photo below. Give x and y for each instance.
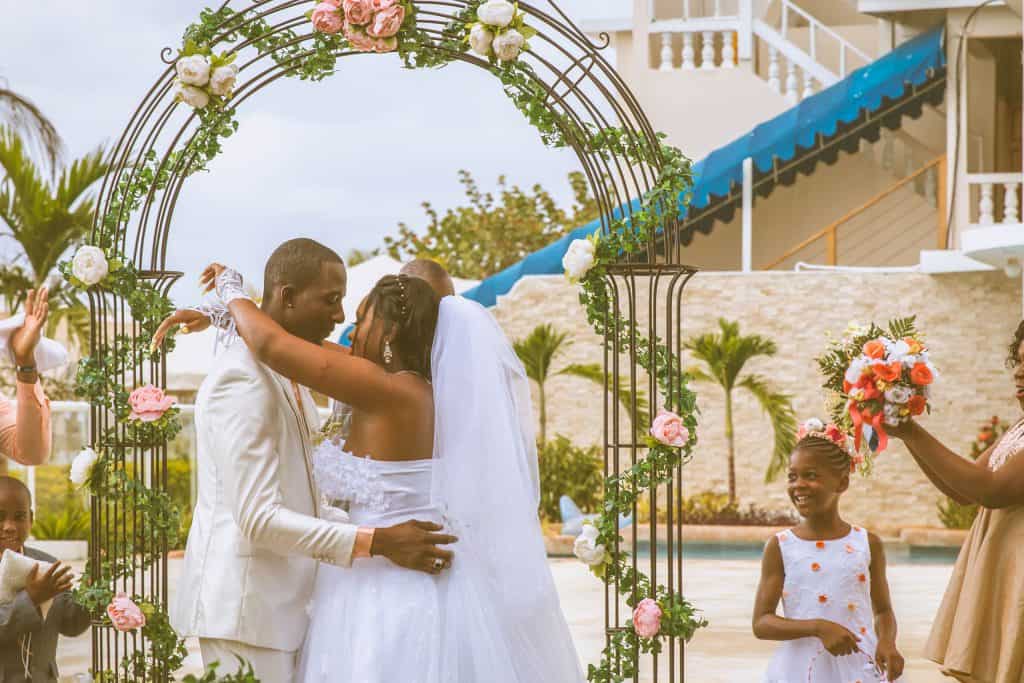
(826, 580)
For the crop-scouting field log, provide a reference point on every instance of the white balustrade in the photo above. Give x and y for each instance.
(729, 50)
(792, 94)
(773, 70)
(666, 52)
(707, 52)
(984, 190)
(689, 54)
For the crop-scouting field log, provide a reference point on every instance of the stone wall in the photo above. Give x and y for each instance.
(968, 319)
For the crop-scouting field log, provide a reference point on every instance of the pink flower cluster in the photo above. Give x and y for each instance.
(369, 25)
(647, 618)
(668, 428)
(149, 403)
(124, 614)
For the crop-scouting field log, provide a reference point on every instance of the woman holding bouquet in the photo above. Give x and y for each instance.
(978, 634)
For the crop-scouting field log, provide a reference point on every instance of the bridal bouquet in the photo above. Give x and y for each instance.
(878, 378)
(368, 25)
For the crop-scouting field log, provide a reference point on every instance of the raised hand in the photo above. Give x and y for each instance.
(837, 639)
(26, 337)
(190, 320)
(208, 280)
(414, 545)
(48, 585)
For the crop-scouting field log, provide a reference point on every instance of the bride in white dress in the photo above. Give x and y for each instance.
(458, 451)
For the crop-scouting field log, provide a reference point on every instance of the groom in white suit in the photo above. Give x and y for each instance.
(257, 533)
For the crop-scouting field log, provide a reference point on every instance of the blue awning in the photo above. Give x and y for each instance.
(879, 94)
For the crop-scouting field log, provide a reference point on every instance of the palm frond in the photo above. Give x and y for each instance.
(27, 119)
(596, 374)
(80, 176)
(902, 327)
(727, 352)
(779, 408)
(538, 349)
(75, 321)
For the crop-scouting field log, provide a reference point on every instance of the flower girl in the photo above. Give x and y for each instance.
(839, 624)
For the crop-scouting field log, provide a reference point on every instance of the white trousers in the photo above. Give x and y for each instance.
(270, 666)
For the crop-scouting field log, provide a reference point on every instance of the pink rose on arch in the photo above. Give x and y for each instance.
(647, 618)
(668, 428)
(379, 5)
(327, 18)
(382, 45)
(358, 12)
(125, 614)
(387, 22)
(149, 403)
(358, 39)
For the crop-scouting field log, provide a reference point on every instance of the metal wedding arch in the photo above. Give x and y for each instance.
(570, 88)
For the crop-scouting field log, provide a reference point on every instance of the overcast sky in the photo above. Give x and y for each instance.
(342, 161)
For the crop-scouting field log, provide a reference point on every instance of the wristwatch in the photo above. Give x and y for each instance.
(25, 369)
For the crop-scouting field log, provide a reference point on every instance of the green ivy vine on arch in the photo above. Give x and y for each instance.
(108, 271)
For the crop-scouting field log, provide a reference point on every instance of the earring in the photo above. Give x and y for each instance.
(388, 355)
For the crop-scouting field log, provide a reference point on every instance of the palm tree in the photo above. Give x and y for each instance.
(25, 118)
(723, 357)
(45, 219)
(537, 351)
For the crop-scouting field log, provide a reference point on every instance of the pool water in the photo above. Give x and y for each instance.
(895, 553)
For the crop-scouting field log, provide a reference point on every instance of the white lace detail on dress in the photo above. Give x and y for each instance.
(1011, 444)
(342, 477)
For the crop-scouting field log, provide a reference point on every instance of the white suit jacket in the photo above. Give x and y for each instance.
(256, 536)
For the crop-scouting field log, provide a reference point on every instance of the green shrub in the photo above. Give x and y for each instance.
(69, 524)
(714, 508)
(568, 470)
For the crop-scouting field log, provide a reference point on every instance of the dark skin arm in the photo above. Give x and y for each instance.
(887, 657)
(939, 483)
(768, 625)
(971, 480)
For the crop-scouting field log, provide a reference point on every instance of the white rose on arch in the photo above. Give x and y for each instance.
(508, 45)
(81, 466)
(586, 547)
(579, 259)
(197, 98)
(193, 70)
(480, 39)
(222, 80)
(90, 265)
(497, 13)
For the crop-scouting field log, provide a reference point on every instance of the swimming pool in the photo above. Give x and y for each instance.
(895, 553)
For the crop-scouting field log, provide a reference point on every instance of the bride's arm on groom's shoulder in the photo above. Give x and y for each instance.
(245, 445)
(342, 376)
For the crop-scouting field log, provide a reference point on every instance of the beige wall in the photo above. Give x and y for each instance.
(968, 318)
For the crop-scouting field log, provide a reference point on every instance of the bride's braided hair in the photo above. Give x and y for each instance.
(407, 307)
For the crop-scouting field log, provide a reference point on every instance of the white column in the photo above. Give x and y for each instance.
(773, 70)
(689, 54)
(666, 52)
(748, 215)
(986, 207)
(1010, 204)
(746, 37)
(792, 92)
(728, 50)
(707, 52)
(808, 85)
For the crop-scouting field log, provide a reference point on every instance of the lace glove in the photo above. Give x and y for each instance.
(229, 286)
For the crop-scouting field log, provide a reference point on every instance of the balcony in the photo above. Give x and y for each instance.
(995, 234)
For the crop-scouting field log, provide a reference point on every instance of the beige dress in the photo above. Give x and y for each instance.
(978, 634)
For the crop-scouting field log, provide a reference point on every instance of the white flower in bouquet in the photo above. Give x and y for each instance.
(579, 258)
(897, 350)
(193, 70)
(586, 547)
(508, 45)
(222, 80)
(480, 39)
(814, 425)
(899, 394)
(90, 265)
(81, 466)
(856, 369)
(497, 13)
(893, 414)
(197, 98)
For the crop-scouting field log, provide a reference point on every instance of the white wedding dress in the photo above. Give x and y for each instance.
(494, 615)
